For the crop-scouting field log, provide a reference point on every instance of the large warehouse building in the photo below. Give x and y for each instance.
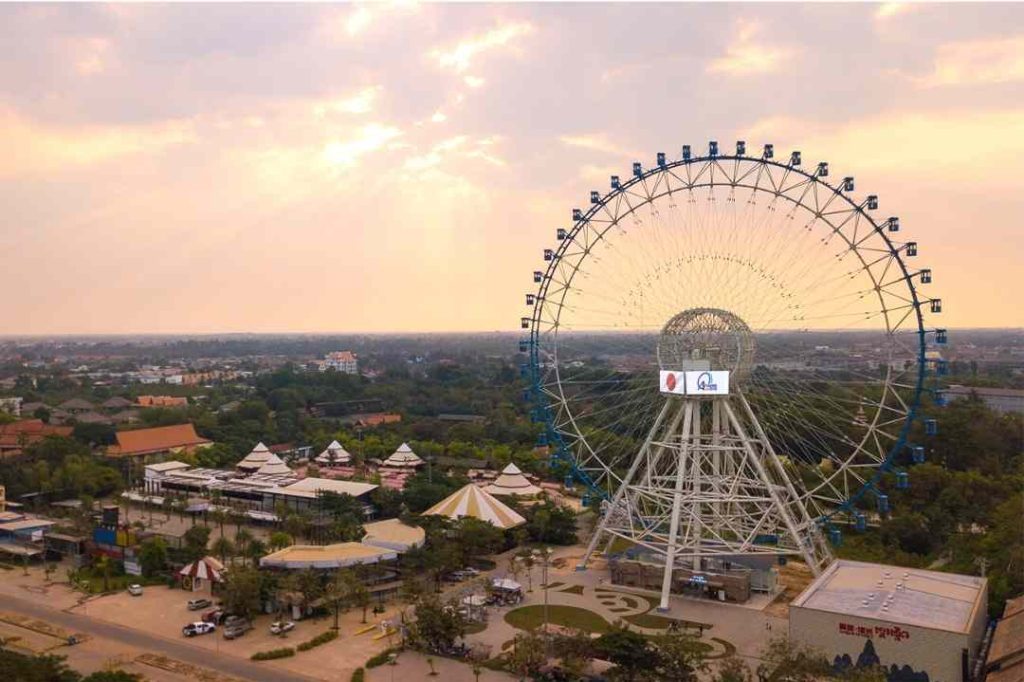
(907, 620)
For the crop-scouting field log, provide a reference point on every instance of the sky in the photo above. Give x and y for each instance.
(190, 168)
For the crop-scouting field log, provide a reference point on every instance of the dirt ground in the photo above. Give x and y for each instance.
(794, 577)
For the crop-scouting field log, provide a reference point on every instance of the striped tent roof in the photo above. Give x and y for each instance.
(334, 454)
(255, 459)
(403, 457)
(512, 482)
(478, 503)
(273, 466)
(206, 568)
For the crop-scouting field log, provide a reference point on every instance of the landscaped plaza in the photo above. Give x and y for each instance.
(570, 601)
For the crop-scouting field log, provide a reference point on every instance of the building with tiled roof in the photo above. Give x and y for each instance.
(76, 405)
(116, 403)
(17, 435)
(162, 401)
(157, 441)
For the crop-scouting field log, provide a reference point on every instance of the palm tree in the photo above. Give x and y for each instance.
(223, 548)
(219, 517)
(255, 550)
(337, 591)
(242, 540)
(103, 563)
(287, 588)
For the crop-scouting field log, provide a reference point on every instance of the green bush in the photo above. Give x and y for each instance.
(322, 638)
(358, 675)
(273, 653)
(381, 658)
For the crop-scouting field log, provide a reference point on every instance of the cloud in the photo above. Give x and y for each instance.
(888, 10)
(973, 62)
(438, 117)
(459, 57)
(929, 145)
(359, 103)
(346, 153)
(597, 142)
(30, 147)
(358, 21)
(474, 81)
(461, 146)
(91, 55)
(745, 56)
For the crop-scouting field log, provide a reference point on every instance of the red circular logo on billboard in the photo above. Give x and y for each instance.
(670, 381)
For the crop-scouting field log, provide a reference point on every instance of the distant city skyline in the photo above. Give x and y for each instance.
(204, 169)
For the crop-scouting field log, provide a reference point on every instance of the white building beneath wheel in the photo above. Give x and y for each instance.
(901, 618)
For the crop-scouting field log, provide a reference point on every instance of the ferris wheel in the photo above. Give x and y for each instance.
(790, 289)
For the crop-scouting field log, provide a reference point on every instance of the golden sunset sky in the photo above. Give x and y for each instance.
(400, 167)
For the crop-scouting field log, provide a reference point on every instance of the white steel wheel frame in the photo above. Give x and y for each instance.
(860, 249)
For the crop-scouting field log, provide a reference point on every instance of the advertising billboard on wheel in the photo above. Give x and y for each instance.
(707, 383)
(694, 383)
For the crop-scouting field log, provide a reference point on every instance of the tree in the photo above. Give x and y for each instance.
(576, 651)
(337, 591)
(223, 548)
(476, 538)
(732, 669)
(310, 587)
(153, 556)
(242, 539)
(196, 539)
(679, 658)
(527, 655)
(113, 676)
(785, 661)
(550, 523)
(279, 540)
(47, 668)
(629, 651)
(242, 589)
(437, 625)
(103, 565)
(255, 551)
(360, 595)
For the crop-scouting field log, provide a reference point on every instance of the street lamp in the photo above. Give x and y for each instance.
(545, 557)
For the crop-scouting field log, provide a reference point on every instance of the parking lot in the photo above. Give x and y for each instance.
(163, 612)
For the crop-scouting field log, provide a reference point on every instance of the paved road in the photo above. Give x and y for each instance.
(179, 650)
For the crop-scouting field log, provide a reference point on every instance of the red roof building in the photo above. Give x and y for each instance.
(16, 435)
(158, 440)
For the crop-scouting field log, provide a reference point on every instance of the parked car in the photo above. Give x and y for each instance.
(196, 604)
(215, 616)
(135, 590)
(198, 628)
(471, 572)
(280, 627)
(235, 629)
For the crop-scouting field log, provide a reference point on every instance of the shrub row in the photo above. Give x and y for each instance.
(322, 638)
(273, 653)
(358, 675)
(381, 658)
